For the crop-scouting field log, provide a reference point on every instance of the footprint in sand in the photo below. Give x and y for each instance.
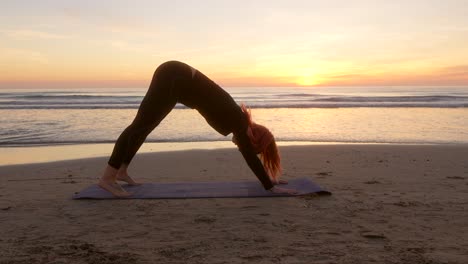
(324, 173)
(372, 182)
(373, 235)
(204, 219)
(455, 177)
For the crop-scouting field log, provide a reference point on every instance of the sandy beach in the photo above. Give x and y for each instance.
(390, 204)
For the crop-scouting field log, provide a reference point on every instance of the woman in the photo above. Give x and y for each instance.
(175, 82)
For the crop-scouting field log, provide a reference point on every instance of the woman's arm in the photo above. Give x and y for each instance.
(245, 147)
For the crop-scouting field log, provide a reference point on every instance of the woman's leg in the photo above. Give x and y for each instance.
(157, 103)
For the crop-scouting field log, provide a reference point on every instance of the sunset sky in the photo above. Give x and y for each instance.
(49, 44)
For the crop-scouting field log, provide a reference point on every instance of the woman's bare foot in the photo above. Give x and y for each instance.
(122, 175)
(127, 179)
(114, 188)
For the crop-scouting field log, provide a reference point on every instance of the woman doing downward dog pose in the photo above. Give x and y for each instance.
(176, 82)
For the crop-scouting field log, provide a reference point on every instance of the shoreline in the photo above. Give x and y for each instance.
(390, 204)
(21, 155)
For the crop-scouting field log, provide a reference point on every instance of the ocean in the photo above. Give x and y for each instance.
(402, 115)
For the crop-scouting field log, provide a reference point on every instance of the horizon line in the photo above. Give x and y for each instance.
(251, 86)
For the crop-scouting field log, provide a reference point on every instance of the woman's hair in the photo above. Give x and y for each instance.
(264, 143)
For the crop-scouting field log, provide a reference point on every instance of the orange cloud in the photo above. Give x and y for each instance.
(253, 81)
(74, 84)
(452, 76)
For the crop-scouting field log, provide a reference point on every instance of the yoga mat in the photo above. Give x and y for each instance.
(185, 190)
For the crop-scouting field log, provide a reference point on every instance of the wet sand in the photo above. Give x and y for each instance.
(390, 204)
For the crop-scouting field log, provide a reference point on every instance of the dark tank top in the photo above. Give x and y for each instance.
(214, 104)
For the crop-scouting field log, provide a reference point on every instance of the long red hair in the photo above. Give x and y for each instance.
(264, 143)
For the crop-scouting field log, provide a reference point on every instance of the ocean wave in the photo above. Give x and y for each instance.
(395, 99)
(267, 99)
(256, 106)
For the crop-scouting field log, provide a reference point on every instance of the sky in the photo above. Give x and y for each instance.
(93, 44)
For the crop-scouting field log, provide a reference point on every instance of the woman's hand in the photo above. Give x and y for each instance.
(276, 181)
(282, 182)
(279, 190)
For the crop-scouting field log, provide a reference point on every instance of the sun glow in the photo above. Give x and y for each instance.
(309, 76)
(309, 80)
